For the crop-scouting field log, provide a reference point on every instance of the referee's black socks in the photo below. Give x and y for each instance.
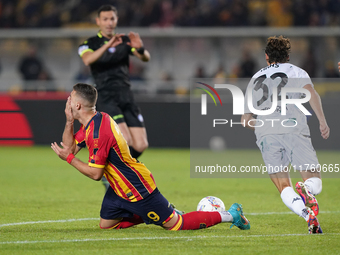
(135, 154)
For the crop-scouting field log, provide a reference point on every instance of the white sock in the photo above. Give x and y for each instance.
(226, 216)
(314, 185)
(294, 202)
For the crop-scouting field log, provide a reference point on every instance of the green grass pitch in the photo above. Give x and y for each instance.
(48, 207)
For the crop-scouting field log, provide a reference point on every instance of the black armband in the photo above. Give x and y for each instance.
(141, 50)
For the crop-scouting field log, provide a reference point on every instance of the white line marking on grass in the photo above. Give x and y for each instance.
(154, 238)
(276, 213)
(87, 219)
(46, 221)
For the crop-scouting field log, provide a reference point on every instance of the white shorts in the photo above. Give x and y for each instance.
(280, 150)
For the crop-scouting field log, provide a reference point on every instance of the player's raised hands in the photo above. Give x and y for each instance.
(135, 40)
(62, 152)
(325, 130)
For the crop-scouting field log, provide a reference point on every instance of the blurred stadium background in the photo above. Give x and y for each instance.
(187, 39)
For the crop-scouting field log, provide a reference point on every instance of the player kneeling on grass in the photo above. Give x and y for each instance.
(132, 197)
(281, 145)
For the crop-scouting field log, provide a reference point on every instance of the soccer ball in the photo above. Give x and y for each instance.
(211, 204)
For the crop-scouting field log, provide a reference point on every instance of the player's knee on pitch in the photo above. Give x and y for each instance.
(109, 224)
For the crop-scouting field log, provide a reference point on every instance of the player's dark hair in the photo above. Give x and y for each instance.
(278, 49)
(106, 8)
(86, 91)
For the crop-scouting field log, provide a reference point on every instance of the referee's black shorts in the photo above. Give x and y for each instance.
(120, 105)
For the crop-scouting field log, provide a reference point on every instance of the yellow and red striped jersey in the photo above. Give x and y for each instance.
(128, 177)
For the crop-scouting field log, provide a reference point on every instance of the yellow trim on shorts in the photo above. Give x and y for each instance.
(169, 218)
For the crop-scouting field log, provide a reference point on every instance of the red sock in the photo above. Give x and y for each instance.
(127, 222)
(197, 220)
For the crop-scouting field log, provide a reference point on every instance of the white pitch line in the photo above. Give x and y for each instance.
(87, 219)
(277, 213)
(46, 221)
(155, 238)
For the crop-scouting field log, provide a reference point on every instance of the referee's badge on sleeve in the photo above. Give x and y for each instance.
(82, 48)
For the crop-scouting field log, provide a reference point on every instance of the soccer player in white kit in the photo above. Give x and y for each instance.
(285, 139)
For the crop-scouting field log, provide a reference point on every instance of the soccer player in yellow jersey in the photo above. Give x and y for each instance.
(132, 197)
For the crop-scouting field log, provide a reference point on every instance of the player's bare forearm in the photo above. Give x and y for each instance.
(315, 103)
(245, 119)
(68, 138)
(91, 172)
(65, 151)
(145, 57)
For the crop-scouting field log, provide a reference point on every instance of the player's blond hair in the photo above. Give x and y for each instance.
(278, 49)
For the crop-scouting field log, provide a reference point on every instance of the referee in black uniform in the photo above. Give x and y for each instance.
(107, 54)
